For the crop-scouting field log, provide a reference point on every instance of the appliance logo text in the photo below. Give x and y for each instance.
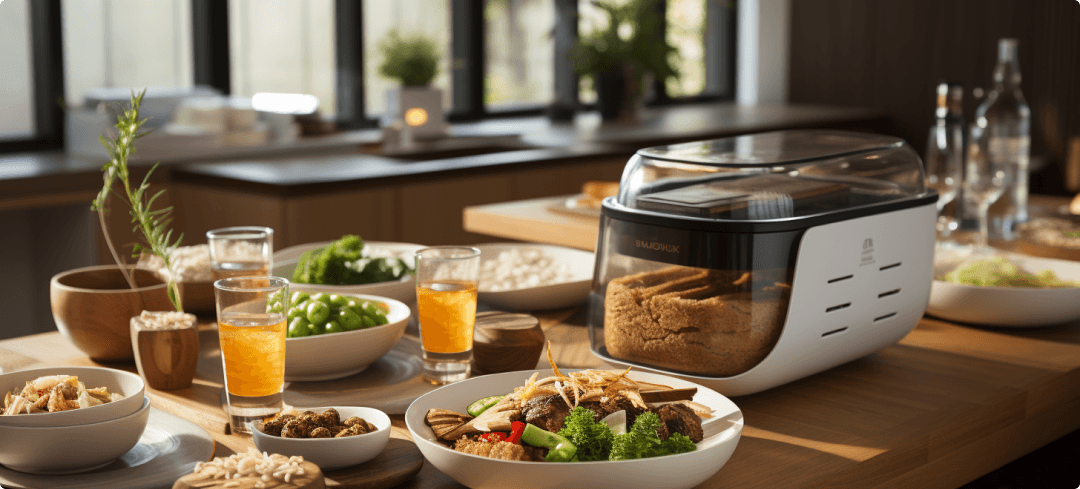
(652, 245)
(867, 252)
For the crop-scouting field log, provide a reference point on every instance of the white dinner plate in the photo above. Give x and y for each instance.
(553, 296)
(1019, 307)
(672, 471)
(403, 289)
(168, 449)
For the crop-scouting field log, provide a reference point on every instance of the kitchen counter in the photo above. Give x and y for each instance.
(37, 179)
(946, 405)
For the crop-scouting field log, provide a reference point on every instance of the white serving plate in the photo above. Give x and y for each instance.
(403, 290)
(127, 384)
(332, 453)
(71, 449)
(674, 471)
(548, 296)
(168, 449)
(1020, 307)
(337, 355)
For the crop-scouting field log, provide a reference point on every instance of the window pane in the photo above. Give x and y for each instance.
(520, 52)
(283, 46)
(16, 99)
(591, 19)
(686, 31)
(428, 17)
(125, 43)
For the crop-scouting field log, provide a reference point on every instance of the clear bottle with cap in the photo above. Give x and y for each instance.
(945, 152)
(1002, 131)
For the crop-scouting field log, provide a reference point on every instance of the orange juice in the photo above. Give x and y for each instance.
(447, 314)
(253, 349)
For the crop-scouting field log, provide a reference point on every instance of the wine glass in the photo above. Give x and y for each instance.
(985, 180)
(944, 168)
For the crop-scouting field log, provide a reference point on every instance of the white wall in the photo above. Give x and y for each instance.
(763, 51)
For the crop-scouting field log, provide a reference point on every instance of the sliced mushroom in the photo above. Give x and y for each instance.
(443, 421)
(495, 418)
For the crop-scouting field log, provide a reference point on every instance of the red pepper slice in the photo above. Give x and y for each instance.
(517, 428)
(493, 437)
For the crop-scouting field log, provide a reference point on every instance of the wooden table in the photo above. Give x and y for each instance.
(534, 221)
(944, 406)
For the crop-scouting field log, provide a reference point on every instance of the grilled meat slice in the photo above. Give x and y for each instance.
(501, 450)
(680, 419)
(546, 412)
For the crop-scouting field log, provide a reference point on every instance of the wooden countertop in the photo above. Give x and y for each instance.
(945, 405)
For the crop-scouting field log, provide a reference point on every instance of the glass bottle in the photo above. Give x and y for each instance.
(1003, 133)
(945, 151)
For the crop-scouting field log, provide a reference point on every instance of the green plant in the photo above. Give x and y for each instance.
(412, 60)
(633, 37)
(151, 223)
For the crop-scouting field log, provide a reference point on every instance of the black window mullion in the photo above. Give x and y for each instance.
(660, 95)
(47, 46)
(467, 65)
(210, 43)
(349, 39)
(565, 100)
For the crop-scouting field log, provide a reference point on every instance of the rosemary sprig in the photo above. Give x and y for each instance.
(152, 224)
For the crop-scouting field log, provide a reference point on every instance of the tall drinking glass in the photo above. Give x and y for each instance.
(251, 328)
(985, 179)
(241, 251)
(446, 281)
(945, 168)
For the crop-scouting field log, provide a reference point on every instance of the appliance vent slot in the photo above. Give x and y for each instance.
(886, 267)
(838, 307)
(837, 279)
(888, 293)
(882, 318)
(835, 331)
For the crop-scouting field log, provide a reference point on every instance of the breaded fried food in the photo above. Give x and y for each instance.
(500, 450)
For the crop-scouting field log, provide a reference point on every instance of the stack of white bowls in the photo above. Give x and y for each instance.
(76, 440)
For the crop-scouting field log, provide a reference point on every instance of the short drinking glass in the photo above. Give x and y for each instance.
(242, 251)
(251, 328)
(446, 281)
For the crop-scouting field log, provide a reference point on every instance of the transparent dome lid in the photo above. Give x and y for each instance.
(776, 176)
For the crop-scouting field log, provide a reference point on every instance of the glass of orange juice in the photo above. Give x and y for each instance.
(251, 315)
(446, 280)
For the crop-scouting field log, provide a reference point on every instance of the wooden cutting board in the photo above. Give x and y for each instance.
(397, 464)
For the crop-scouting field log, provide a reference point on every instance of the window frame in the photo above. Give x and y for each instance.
(47, 67)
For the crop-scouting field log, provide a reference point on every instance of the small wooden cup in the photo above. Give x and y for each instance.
(166, 358)
(504, 342)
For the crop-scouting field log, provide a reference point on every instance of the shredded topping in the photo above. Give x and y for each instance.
(262, 466)
(165, 320)
(586, 385)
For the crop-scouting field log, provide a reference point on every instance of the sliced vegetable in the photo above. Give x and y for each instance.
(515, 432)
(559, 449)
(482, 405)
(493, 437)
(616, 421)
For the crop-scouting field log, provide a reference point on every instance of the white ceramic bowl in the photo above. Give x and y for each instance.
(673, 471)
(332, 453)
(127, 384)
(71, 449)
(337, 355)
(403, 290)
(1009, 306)
(553, 296)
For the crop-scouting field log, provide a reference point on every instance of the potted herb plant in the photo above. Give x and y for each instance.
(624, 58)
(413, 61)
(113, 324)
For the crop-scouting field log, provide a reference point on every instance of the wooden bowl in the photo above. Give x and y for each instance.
(198, 297)
(93, 307)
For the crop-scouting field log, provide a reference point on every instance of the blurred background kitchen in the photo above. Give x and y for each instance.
(387, 118)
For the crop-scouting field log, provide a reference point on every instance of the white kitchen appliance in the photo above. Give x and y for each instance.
(749, 262)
